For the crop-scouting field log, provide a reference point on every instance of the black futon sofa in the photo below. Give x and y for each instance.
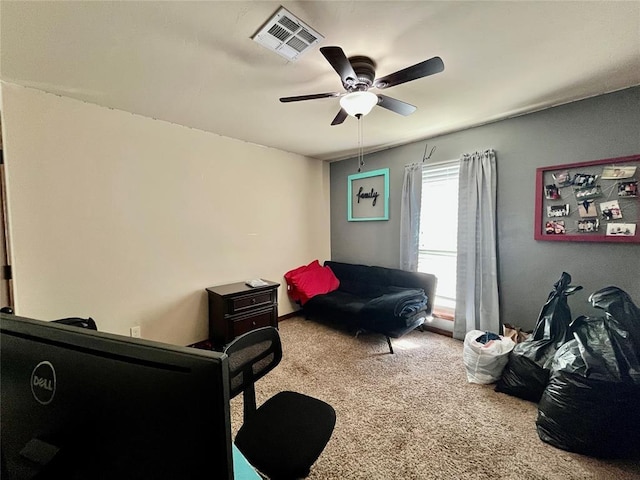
(377, 299)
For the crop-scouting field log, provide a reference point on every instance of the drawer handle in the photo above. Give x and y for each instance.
(253, 323)
(253, 300)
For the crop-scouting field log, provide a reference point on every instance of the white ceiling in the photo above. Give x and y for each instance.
(194, 63)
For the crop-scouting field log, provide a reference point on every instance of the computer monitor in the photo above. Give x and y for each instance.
(80, 404)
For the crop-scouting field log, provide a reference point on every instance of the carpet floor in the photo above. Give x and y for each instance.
(413, 415)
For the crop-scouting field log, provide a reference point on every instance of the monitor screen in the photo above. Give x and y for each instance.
(81, 404)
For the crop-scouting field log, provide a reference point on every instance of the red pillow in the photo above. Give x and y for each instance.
(314, 282)
(296, 271)
(293, 292)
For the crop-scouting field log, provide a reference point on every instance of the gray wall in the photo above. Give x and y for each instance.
(601, 127)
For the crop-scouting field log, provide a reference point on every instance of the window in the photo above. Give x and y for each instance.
(439, 231)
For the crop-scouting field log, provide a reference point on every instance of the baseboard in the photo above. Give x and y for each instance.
(203, 344)
(437, 330)
(290, 315)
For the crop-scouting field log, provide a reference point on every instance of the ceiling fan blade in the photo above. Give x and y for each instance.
(340, 63)
(309, 97)
(395, 105)
(419, 70)
(340, 117)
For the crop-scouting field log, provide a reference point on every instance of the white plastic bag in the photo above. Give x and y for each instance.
(484, 362)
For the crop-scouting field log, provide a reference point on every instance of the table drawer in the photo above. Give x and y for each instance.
(253, 300)
(245, 323)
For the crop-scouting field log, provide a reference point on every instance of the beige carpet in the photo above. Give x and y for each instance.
(413, 415)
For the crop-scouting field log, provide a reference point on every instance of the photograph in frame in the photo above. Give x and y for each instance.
(588, 225)
(611, 210)
(587, 208)
(615, 172)
(590, 192)
(555, 227)
(551, 192)
(562, 179)
(584, 180)
(628, 189)
(621, 229)
(558, 210)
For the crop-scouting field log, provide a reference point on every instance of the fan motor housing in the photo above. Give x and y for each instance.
(365, 69)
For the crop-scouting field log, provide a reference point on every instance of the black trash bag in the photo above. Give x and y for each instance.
(618, 305)
(590, 405)
(527, 371)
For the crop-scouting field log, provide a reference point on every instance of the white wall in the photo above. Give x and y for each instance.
(128, 219)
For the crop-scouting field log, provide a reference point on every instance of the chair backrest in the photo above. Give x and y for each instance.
(78, 322)
(251, 357)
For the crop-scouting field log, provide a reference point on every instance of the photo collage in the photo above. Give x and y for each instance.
(597, 200)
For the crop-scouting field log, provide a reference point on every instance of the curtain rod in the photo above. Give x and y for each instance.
(441, 162)
(479, 152)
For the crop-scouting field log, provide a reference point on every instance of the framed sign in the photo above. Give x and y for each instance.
(596, 201)
(368, 196)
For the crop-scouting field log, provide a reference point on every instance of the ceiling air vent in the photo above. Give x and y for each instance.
(287, 35)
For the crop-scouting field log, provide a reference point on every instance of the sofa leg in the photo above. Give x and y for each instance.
(389, 342)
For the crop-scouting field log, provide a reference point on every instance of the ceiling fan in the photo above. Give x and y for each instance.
(358, 74)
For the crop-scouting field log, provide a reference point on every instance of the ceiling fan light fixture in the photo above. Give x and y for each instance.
(358, 103)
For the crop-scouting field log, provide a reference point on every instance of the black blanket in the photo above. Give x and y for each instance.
(398, 303)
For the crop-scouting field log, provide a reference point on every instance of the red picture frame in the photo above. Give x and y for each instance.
(542, 176)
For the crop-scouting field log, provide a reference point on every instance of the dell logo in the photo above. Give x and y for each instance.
(43, 382)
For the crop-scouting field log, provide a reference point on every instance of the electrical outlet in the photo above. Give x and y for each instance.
(135, 331)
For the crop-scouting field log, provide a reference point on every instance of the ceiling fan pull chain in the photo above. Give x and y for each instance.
(361, 142)
(360, 155)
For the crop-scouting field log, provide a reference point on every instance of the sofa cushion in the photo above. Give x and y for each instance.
(336, 301)
(314, 281)
(360, 280)
(294, 294)
(296, 271)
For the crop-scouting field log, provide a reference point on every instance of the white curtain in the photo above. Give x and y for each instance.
(477, 304)
(410, 217)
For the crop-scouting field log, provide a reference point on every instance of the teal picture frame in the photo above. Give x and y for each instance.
(368, 196)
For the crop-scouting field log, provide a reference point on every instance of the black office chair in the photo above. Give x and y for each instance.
(72, 321)
(283, 437)
(78, 322)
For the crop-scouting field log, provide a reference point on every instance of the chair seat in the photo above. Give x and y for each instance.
(286, 435)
